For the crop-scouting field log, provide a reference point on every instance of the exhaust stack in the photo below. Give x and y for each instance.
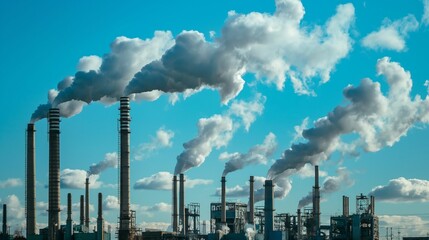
(100, 222)
(31, 180)
(54, 173)
(269, 209)
(124, 185)
(316, 201)
(69, 227)
(174, 203)
(223, 203)
(182, 214)
(372, 199)
(345, 206)
(82, 211)
(251, 201)
(87, 204)
(299, 225)
(4, 219)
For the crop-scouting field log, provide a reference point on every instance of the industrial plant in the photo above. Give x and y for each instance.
(228, 220)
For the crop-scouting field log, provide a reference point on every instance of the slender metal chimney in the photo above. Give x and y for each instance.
(316, 201)
(175, 203)
(124, 185)
(345, 206)
(30, 183)
(69, 226)
(182, 215)
(269, 209)
(299, 224)
(372, 199)
(251, 200)
(54, 173)
(4, 219)
(87, 204)
(82, 211)
(223, 202)
(100, 221)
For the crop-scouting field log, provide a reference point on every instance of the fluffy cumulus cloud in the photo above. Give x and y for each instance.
(374, 119)
(216, 132)
(391, 35)
(75, 179)
(402, 190)
(258, 154)
(164, 181)
(11, 182)
(407, 225)
(308, 172)
(15, 211)
(161, 140)
(425, 17)
(110, 161)
(111, 203)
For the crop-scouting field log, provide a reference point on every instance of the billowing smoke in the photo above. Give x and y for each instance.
(330, 185)
(163, 181)
(258, 154)
(376, 120)
(402, 190)
(216, 131)
(110, 161)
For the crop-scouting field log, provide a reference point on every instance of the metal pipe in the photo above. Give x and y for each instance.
(4, 219)
(346, 208)
(182, 214)
(31, 181)
(174, 203)
(68, 231)
(82, 210)
(54, 173)
(100, 221)
(269, 209)
(252, 200)
(87, 204)
(316, 201)
(124, 185)
(223, 202)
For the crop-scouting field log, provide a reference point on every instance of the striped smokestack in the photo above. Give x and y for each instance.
(100, 221)
(87, 204)
(124, 185)
(82, 210)
(175, 203)
(269, 209)
(223, 202)
(30, 183)
(54, 173)
(182, 215)
(251, 200)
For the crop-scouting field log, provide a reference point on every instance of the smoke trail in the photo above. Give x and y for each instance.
(258, 154)
(377, 120)
(110, 161)
(216, 131)
(331, 184)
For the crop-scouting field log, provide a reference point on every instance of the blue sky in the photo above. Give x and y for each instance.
(239, 70)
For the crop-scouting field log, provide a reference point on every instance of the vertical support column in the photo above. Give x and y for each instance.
(82, 211)
(87, 204)
(4, 219)
(346, 206)
(69, 227)
(251, 201)
(269, 209)
(372, 202)
(223, 202)
(316, 202)
(54, 173)
(31, 180)
(182, 214)
(175, 203)
(299, 231)
(100, 221)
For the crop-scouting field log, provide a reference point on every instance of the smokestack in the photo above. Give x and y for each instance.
(30, 183)
(223, 202)
(372, 199)
(124, 185)
(4, 219)
(316, 201)
(251, 200)
(69, 227)
(100, 227)
(269, 209)
(82, 211)
(54, 173)
(174, 203)
(299, 225)
(345, 206)
(182, 214)
(87, 204)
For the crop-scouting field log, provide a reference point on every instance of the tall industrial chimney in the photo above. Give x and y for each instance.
(124, 185)
(54, 173)
(251, 201)
(316, 201)
(269, 209)
(182, 215)
(87, 204)
(100, 222)
(345, 206)
(174, 203)
(223, 202)
(299, 224)
(82, 211)
(30, 183)
(372, 202)
(4, 219)
(69, 226)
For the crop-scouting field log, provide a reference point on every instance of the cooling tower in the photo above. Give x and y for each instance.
(124, 185)
(82, 211)
(316, 201)
(251, 201)
(223, 202)
(269, 209)
(174, 203)
(100, 221)
(30, 182)
(54, 173)
(87, 204)
(182, 215)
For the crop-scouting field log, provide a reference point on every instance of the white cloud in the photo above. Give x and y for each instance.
(161, 140)
(164, 181)
(308, 172)
(111, 203)
(88, 63)
(391, 35)
(409, 226)
(15, 212)
(402, 190)
(425, 17)
(75, 179)
(147, 226)
(11, 182)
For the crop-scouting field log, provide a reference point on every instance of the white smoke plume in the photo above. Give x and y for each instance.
(425, 17)
(217, 131)
(164, 181)
(330, 185)
(110, 161)
(402, 190)
(258, 154)
(376, 120)
(161, 140)
(75, 179)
